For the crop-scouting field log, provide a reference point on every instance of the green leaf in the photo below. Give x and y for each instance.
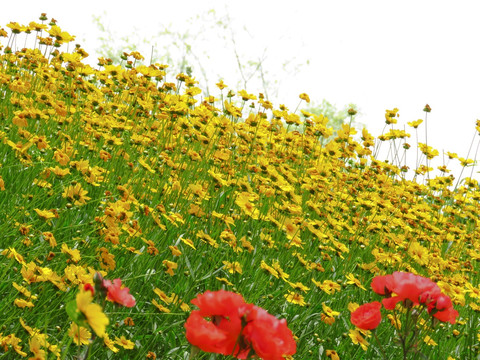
(74, 314)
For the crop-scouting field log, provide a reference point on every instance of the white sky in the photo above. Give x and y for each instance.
(377, 54)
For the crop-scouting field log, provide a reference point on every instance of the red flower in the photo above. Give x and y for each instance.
(269, 337)
(406, 286)
(379, 284)
(89, 287)
(237, 328)
(221, 334)
(440, 306)
(367, 316)
(418, 290)
(117, 294)
(217, 336)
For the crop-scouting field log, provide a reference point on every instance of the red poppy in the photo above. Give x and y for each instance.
(220, 335)
(367, 316)
(406, 286)
(440, 306)
(225, 324)
(269, 337)
(379, 284)
(117, 294)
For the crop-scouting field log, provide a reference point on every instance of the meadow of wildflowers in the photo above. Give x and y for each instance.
(140, 219)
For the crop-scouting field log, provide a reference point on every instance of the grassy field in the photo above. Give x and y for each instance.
(129, 171)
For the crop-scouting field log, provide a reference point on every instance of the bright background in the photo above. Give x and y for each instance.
(376, 54)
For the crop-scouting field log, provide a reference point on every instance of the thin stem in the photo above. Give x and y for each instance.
(426, 144)
(468, 154)
(380, 345)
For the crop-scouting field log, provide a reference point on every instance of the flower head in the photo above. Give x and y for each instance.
(93, 313)
(270, 337)
(118, 294)
(406, 286)
(237, 328)
(367, 316)
(219, 335)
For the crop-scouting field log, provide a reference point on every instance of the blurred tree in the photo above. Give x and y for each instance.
(336, 117)
(207, 40)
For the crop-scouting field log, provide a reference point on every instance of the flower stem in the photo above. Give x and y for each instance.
(384, 355)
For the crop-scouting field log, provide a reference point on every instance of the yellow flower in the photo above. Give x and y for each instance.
(189, 243)
(332, 354)
(415, 124)
(74, 253)
(164, 297)
(93, 313)
(233, 267)
(48, 236)
(352, 307)
(23, 303)
(24, 291)
(79, 334)
(328, 286)
(160, 306)
(246, 96)
(45, 214)
(429, 341)
(61, 157)
(171, 266)
(305, 97)
(290, 228)
(298, 286)
(357, 338)
(175, 250)
(110, 344)
(11, 253)
(352, 280)
(395, 321)
(125, 343)
(328, 311)
(36, 342)
(295, 298)
(76, 194)
(221, 85)
(271, 270)
(243, 201)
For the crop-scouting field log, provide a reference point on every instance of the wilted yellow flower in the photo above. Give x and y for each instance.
(21, 303)
(332, 354)
(171, 266)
